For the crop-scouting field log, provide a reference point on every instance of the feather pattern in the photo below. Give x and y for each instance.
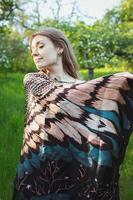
(75, 137)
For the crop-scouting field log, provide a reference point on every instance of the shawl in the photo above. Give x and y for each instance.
(75, 137)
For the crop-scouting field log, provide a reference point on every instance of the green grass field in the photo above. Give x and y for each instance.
(11, 133)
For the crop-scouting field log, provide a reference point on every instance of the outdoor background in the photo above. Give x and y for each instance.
(101, 34)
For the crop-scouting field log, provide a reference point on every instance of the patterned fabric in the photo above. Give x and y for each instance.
(75, 137)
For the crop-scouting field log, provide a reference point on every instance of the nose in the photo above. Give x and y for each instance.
(34, 52)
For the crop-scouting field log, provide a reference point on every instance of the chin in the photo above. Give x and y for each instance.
(40, 67)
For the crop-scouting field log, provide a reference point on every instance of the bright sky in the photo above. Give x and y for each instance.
(92, 8)
(97, 8)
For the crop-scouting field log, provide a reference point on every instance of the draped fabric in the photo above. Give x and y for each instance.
(75, 137)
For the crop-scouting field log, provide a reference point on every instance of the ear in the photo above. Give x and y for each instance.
(59, 50)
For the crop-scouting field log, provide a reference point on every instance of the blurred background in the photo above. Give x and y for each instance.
(101, 34)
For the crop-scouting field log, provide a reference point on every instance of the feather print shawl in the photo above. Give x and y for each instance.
(75, 137)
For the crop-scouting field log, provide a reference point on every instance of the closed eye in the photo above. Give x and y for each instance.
(41, 46)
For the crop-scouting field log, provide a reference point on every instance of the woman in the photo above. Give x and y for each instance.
(75, 132)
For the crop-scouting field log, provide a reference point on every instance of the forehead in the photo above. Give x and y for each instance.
(40, 39)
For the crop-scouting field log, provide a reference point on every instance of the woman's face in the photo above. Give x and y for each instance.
(44, 52)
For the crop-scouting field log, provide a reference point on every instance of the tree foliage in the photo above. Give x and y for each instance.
(106, 42)
(7, 9)
(126, 10)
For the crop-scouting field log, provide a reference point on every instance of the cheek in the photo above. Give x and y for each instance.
(52, 55)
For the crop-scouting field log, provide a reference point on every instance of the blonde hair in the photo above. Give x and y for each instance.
(70, 65)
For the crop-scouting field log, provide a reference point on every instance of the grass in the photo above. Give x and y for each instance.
(11, 133)
(11, 122)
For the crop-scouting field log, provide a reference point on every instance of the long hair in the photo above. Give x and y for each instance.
(70, 65)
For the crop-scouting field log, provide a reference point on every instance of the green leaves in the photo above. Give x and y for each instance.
(106, 42)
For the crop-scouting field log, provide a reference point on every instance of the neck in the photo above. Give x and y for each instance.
(56, 72)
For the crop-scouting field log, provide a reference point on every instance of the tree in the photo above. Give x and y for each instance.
(7, 9)
(126, 10)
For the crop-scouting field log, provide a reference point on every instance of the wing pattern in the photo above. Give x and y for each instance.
(75, 137)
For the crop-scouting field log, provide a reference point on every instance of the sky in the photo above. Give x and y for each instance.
(97, 8)
(87, 10)
(92, 8)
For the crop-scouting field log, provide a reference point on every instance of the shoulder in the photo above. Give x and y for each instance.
(32, 76)
(27, 77)
(38, 83)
